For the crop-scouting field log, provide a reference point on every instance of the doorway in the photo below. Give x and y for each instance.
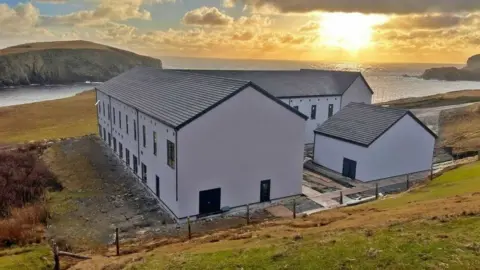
(135, 165)
(157, 186)
(265, 191)
(349, 168)
(209, 201)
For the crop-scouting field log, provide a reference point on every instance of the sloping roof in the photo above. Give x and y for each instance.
(363, 124)
(293, 83)
(175, 98)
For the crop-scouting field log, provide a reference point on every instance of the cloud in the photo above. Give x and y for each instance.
(228, 3)
(51, 1)
(254, 20)
(243, 36)
(207, 16)
(23, 17)
(425, 21)
(310, 26)
(364, 6)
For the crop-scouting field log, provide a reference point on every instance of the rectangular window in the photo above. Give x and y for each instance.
(126, 122)
(99, 108)
(313, 113)
(144, 173)
(155, 143)
(103, 108)
(104, 135)
(295, 107)
(157, 186)
(134, 130)
(109, 112)
(114, 144)
(144, 136)
(171, 154)
(100, 131)
(120, 150)
(135, 165)
(127, 156)
(114, 116)
(109, 139)
(119, 119)
(330, 110)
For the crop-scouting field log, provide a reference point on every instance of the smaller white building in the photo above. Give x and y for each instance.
(368, 142)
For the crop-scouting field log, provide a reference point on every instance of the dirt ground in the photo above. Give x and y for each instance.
(100, 195)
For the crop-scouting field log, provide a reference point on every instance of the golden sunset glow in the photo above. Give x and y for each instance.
(351, 32)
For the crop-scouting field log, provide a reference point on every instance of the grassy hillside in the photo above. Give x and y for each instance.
(39, 46)
(450, 98)
(75, 116)
(432, 227)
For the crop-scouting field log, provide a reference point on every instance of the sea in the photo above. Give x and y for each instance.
(388, 81)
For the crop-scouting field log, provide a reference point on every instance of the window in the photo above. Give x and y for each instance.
(109, 112)
(114, 116)
(100, 131)
(135, 165)
(144, 173)
(134, 130)
(313, 113)
(126, 122)
(120, 150)
(295, 107)
(109, 139)
(155, 143)
(157, 186)
(114, 144)
(127, 156)
(104, 135)
(99, 108)
(330, 110)
(144, 136)
(103, 108)
(119, 119)
(171, 154)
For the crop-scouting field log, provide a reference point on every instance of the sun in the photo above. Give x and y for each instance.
(350, 31)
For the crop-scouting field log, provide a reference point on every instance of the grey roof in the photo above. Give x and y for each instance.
(174, 97)
(293, 83)
(363, 124)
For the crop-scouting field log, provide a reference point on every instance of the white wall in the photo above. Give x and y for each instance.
(357, 92)
(405, 148)
(103, 119)
(157, 165)
(305, 107)
(247, 139)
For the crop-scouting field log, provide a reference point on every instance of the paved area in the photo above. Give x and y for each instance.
(279, 211)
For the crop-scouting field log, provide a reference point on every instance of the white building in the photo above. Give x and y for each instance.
(202, 143)
(319, 94)
(368, 142)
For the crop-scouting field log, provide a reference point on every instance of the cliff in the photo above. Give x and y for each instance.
(66, 62)
(471, 72)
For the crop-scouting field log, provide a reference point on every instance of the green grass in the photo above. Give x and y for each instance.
(451, 241)
(33, 257)
(69, 117)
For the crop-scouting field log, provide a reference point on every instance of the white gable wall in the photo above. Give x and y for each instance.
(305, 107)
(357, 92)
(246, 139)
(405, 148)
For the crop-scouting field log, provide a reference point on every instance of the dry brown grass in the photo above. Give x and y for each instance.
(69, 117)
(24, 226)
(461, 128)
(38, 46)
(450, 98)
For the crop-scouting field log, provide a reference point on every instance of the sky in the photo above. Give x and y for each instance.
(364, 31)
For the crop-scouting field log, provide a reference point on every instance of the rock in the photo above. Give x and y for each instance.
(471, 72)
(66, 62)
(297, 237)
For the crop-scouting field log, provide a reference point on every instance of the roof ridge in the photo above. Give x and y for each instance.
(208, 75)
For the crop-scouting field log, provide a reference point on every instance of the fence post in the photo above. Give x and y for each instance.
(408, 181)
(189, 228)
(431, 172)
(294, 209)
(248, 213)
(376, 191)
(341, 198)
(56, 258)
(117, 242)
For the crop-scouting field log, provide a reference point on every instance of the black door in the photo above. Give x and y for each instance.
(349, 168)
(157, 186)
(135, 165)
(209, 201)
(330, 110)
(265, 191)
